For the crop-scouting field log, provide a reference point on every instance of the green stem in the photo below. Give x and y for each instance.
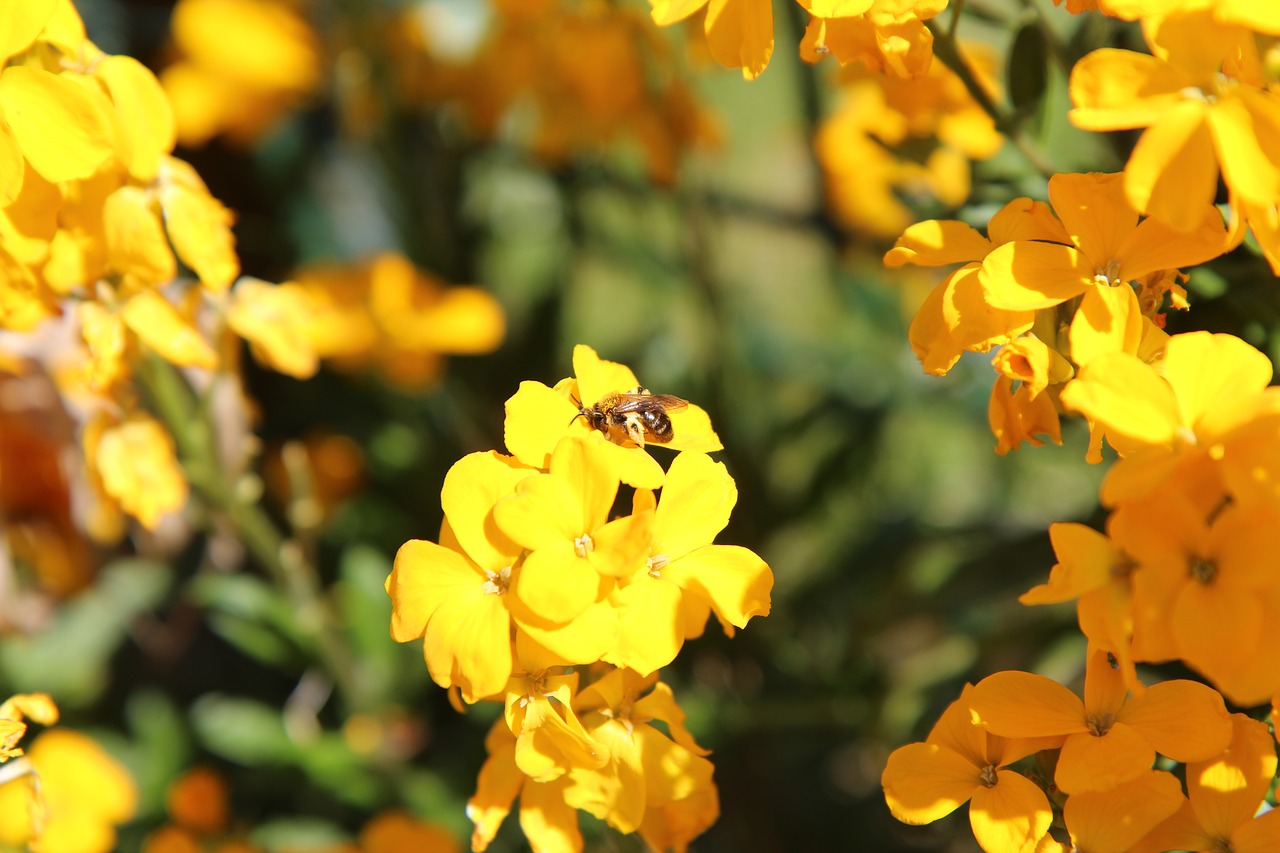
(283, 558)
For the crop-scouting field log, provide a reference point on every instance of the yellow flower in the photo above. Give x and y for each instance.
(739, 32)
(885, 35)
(1202, 101)
(1205, 387)
(387, 314)
(138, 466)
(58, 126)
(276, 321)
(1204, 589)
(960, 762)
(1110, 739)
(1108, 248)
(455, 595)
(550, 739)
(15, 711)
(562, 518)
(1115, 820)
(647, 769)
(83, 795)
(685, 577)
(957, 316)
(548, 822)
(538, 417)
(861, 145)
(1224, 795)
(244, 63)
(397, 832)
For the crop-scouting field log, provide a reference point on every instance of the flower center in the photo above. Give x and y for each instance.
(1123, 567)
(988, 776)
(1222, 845)
(1108, 274)
(1202, 570)
(496, 583)
(1100, 724)
(656, 564)
(582, 546)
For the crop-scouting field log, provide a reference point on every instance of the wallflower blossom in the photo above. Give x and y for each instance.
(868, 147)
(576, 554)
(1110, 739)
(1220, 811)
(1206, 387)
(1204, 591)
(887, 36)
(648, 771)
(685, 577)
(1204, 103)
(739, 32)
(84, 794)
(960, 762)
(14, 712)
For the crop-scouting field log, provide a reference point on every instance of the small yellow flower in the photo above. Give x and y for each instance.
(84, 794)
(15, 711)
(138, 466)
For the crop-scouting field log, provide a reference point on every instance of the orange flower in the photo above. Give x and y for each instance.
(960, 762)
(1109, 739)
(1223, 796)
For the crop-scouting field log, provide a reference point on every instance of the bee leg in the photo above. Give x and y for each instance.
(635, 429)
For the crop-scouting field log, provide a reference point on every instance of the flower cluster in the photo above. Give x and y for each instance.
(1094, 764)
(1075, 295)
(1057, 287)
(863, 145)
(884, 35)
(540, 596)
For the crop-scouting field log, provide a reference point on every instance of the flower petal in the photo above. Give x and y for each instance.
(740, 34)
(1173, 170)
(1010, 817)
(1121, 89)
(735, 580)
(1099, 763)
(925, 781)
(1183, 720)
(1027, 276)
(1113, 821)
(937, 242)
(471, 489)
(1128, 397)
(61, 126)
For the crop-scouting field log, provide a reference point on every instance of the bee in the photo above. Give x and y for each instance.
(637, 415)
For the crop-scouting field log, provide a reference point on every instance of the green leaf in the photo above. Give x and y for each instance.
(243, 730)
(69, 659)
(161, 747)
(1028, 70)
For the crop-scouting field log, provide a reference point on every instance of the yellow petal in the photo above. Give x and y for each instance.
(159, 325)
(273, 319)
(1260, 835)
(136, 242)
(1225, 791)
(930, 336)
(924, 782)
(1013, 815)
(468, 640)
(1120, 89)
(1092, 763)
(139, 468)
(667, 12)
(496, 787)
(697, 500)
(1209, 373)
(735, 580)
(1086, 559)
(145, 118)
(20, 23)
(1020, 704)
(974, 323)
(1173, 170)
(650, 634)
(585, 640)
(1155, 246)
(1128, 397)
(556, 585)
(12, 166)
(1113, 821)
(471, 488)
(198, 225)
(1183, 720)
(740, 34)
(61, 126)
(1027, 276)
(1024, 219)
(424, 575)
(1108, 320)
(1094, 211)
(548, 822)
(1245, 126)
(937, 242)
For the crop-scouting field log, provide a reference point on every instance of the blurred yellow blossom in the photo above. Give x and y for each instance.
(138, 466)
(243, 63)
(83, 795)
(386, 314)
(15, 711)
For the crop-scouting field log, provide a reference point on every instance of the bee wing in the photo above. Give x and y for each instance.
(648, 403)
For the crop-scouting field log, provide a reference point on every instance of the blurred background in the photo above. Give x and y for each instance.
(609, 184)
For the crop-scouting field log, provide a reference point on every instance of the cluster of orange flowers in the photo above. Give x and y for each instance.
(533, 590)
(1074, 295)
(888, 35)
